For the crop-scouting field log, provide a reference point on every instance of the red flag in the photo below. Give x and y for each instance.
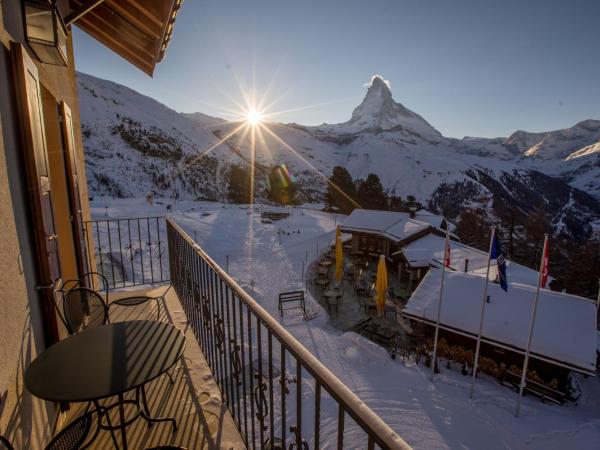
(545, 263)
(447, 251)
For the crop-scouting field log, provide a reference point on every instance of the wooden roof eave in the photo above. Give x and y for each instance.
(137, 30)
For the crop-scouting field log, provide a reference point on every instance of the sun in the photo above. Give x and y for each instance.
(254, 117)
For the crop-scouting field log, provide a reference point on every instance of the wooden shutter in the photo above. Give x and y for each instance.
(35, 158)
(73, 187)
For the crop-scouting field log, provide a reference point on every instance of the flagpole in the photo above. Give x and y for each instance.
(598, 298)
(531, 324)
(483, 302)
(439, 311)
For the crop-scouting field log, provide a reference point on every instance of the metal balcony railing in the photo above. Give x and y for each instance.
(128, 252)
(279, 394)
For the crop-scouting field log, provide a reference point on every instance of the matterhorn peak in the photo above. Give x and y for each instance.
(379, 112)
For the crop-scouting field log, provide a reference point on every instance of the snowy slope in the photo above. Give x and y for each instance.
(135, 146)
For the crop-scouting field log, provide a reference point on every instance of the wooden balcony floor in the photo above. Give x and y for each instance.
(193, 399)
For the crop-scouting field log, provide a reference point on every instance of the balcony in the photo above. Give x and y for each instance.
(194, 398)
(245, 382)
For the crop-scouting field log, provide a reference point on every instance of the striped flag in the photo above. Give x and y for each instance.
(545, 263)
(447, 250)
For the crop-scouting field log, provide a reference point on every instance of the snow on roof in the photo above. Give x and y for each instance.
(515, 273)
(405, 227)
(432, 219)
(431, 248)
(565, 327)
(372, 220)
(392, 224)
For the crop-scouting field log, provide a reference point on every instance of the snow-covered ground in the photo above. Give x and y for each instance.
(427, 415)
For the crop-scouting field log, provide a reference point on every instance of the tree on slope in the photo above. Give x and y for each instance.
(370, 193)
(342, 180)
(238, 190)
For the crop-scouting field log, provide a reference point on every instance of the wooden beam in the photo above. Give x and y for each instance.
(117, 45)
(83, 8)
(152, 9)
(121, 29)
(137, 19)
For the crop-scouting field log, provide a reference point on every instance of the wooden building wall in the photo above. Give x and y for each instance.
(26, 421)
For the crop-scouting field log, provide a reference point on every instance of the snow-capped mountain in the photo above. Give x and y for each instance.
(135, 145)
(572, 154)
(379, 112)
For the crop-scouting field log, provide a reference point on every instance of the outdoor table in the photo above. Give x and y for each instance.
(322, 282)
(107, 361)
(371, 303)
(332, 296)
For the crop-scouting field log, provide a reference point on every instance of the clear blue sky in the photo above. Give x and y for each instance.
(478, 68)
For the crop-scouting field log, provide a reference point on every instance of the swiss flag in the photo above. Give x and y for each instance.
(545, 263)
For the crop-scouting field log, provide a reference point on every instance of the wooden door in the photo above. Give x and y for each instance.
(38, 182)
(77, 221)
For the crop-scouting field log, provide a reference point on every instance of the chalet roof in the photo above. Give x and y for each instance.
(137, 30)
(429, 251)
(565, 327)
(393, 225)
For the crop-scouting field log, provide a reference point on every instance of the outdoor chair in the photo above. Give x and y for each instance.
(136, 301)
(294, 299)
(5, 444)
(90, 280)
(72, 437)
(83, 308)
(167, 447)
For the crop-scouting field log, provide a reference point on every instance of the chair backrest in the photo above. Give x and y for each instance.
(83, 308)
(5, 444)
(90, 280)
(73, 435)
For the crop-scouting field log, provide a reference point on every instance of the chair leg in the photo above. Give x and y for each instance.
(146, 412)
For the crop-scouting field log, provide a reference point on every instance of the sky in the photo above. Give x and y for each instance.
(470, 68)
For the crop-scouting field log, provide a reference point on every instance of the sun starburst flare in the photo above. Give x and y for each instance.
(254, 117)
(250, 125)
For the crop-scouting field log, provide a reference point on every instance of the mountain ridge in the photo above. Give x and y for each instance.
(135, 145)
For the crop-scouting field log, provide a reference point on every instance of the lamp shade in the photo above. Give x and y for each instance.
(46, 32)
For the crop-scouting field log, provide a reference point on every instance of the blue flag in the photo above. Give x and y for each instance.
(498, 255)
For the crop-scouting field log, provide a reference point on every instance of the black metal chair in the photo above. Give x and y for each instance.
(92, 280)
(83, 308)
(5, 444)
(72, 437)
(167, 447)
(137, 300)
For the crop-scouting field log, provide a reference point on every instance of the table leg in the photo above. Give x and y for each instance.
(100, 412)
(122, 420)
